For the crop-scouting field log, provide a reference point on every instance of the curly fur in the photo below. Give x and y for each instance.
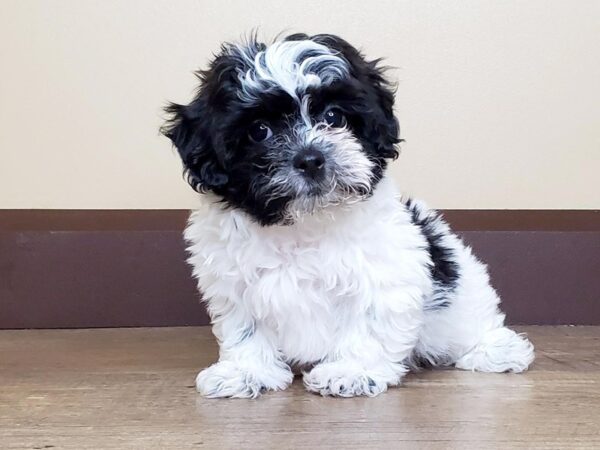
(334, 273)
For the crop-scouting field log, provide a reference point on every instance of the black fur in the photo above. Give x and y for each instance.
(375, 110)
(444, 268)
(210, 133)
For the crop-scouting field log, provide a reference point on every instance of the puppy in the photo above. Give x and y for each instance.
(303, 251)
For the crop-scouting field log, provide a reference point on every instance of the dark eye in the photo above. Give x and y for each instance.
(259, 132)
(335, 118)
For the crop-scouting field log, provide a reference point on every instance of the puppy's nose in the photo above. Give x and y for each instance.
(310, 162)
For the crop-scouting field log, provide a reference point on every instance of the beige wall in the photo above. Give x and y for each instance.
(499, 101)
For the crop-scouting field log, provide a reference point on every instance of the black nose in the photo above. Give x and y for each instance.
(310, 162)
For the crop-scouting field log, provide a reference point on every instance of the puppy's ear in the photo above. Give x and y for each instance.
(188, 128)
(382, 127)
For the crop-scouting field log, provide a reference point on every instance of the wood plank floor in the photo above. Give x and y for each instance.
(133, 389)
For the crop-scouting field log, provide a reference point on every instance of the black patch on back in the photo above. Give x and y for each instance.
(444, 269)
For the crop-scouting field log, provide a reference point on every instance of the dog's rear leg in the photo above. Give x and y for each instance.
(469, 332)
(499, 350)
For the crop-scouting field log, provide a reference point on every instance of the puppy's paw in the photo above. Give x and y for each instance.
(225, 379)
(500, 350)
(341, 379)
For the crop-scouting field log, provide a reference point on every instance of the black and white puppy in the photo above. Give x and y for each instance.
(303, 251)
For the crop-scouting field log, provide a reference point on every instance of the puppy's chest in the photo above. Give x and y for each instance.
(285, 271)
(303, 276)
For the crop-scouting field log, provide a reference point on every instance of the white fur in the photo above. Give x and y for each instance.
(345, 289)
(292, 66)
(350, 172)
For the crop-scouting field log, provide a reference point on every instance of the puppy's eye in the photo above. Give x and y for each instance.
(259, 132)
(335, 118)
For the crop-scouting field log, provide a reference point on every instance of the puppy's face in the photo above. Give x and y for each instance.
(288, 129)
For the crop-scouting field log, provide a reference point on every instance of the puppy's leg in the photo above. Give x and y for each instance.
(249, 362)
(498, 350)
(371, 347)
(367, 374)
(467, 328)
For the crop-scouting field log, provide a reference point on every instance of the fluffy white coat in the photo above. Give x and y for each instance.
(345, 293)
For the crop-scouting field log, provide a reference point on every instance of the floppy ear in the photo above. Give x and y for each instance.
(382, 127)
(188, 128)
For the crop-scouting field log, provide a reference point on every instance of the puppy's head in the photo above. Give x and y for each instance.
(287, 129)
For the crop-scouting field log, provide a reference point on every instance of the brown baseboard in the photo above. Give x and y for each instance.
(116, 268)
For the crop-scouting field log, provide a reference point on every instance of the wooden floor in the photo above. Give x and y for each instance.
(133, 389)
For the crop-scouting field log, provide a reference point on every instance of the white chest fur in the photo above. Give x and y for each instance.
(310, 281)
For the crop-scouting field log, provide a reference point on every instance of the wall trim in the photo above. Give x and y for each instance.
(113, 268)
(174, 219)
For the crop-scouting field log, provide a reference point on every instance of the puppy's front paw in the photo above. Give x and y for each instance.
(341, 379)
(225, 379)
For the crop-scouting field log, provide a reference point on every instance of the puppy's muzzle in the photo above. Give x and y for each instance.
(310, 162)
